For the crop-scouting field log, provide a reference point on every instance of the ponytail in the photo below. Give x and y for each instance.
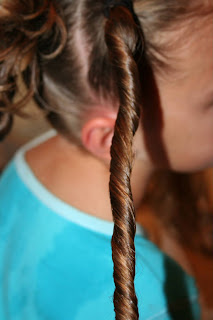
(30, 32)
(124, 39)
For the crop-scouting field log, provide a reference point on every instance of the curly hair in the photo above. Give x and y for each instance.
(71, 56)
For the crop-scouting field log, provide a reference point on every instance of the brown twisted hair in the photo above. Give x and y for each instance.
(122, 51)
(70, 58)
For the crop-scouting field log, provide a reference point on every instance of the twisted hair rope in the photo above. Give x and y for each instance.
(123, 248)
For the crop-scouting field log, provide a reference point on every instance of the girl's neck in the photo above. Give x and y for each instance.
(77, 177)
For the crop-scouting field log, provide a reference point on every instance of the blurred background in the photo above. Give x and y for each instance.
(24, 129)
(177, 210)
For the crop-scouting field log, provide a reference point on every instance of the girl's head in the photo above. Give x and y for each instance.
(175, 69)
(91, 63)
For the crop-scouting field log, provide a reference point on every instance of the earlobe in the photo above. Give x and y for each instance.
(97, 136)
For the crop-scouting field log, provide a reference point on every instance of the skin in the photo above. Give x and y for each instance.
(179, 136)
(186, 108)
(191, 115)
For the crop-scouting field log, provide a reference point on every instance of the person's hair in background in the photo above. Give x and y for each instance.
(99, 51)
(183, 206)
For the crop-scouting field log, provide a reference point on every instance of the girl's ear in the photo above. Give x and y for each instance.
(97, 135)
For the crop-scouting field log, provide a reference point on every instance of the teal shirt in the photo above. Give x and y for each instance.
(55, 261)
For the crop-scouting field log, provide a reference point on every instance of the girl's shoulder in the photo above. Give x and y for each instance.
(169, 290)
(17, 178)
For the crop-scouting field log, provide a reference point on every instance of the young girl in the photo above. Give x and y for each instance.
(93, 67)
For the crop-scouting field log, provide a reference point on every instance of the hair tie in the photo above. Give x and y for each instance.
(123, 3)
